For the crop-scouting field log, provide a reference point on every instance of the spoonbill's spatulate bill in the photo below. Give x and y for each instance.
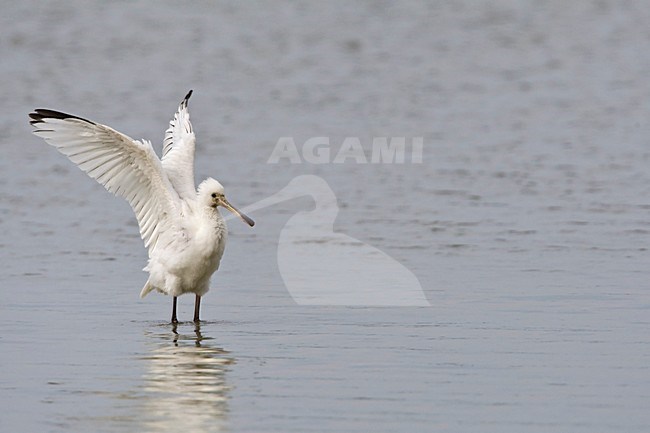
(180, 224)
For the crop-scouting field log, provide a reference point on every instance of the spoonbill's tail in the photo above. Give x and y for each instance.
(148, 287)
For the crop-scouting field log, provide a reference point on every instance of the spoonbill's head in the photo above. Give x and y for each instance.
(212, 194)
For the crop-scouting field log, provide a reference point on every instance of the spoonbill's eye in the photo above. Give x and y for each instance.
(214, 195)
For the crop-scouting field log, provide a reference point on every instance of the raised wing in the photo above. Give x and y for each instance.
(125, 167)
(178, 152)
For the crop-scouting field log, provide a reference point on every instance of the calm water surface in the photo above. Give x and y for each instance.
(527, 223)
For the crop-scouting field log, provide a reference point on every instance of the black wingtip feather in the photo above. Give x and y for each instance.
(42, 113)
(186, 98)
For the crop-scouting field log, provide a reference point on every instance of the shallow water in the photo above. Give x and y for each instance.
(527, 223)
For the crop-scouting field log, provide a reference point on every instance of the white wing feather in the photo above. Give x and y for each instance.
(125, 167)
(178, 152)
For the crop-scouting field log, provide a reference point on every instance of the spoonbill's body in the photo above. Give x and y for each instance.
(181, 225)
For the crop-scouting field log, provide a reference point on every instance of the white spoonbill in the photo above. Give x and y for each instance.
(180, 225)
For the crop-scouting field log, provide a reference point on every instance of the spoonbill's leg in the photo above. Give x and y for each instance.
(174, 319)
(197, 307)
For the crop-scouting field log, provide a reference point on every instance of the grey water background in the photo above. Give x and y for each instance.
(527, 223)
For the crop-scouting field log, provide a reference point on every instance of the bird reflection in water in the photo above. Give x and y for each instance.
(185, 384)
